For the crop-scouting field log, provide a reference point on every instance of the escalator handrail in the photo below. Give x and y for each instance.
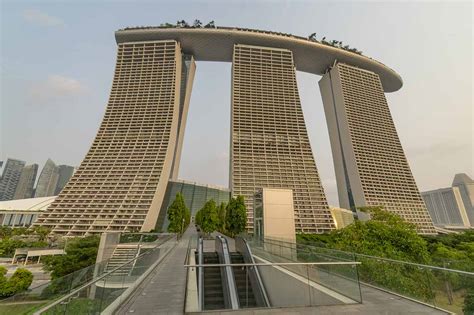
(228, 280)
(260, 293)
(200, 274)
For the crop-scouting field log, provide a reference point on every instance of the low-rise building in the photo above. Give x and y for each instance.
(342, 217)
(23, 212)
(274, 214)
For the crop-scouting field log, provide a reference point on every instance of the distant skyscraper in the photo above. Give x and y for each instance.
(446, 207)
(26, 183)
(47, 180)
(10, 178)
(371, 167)
(65, 173)
(466, 189)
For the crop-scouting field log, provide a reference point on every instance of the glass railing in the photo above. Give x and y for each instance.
(330, 267)
(439, 287)
(35, 298)
(442, 288)
(106, 293)
(139, 238)
(28, 301)
(287, 284)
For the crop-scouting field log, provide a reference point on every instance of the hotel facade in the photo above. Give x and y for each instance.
(122, 181)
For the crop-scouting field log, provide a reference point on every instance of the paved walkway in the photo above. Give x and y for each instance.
(375, 302)
(163, 291)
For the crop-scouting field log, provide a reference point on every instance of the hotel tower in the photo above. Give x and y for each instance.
(123, 180)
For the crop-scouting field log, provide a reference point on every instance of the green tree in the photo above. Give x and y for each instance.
(468, 307)
(221, 211)
(42, 232)
(21, 231)
(385, 235)
(5, 231)
(8, 246)
(236, 216)
(209, 218)
(455, 251)
(13, 238)
(80, 253)
(178, 215)
(198, 217)
(20, 281)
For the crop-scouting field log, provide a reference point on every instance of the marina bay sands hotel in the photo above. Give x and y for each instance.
(122, 182)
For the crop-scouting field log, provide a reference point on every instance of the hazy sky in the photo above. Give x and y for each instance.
(58, 57)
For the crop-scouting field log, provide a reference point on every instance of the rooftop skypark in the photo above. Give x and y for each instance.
(211, 24)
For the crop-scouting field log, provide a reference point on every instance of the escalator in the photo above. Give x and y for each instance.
(213, 291)
(226, 286)
(242, 282)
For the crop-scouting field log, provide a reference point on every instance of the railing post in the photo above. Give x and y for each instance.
(247, 285)
(309, 286)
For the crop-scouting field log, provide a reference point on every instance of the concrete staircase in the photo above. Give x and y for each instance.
(121, 255)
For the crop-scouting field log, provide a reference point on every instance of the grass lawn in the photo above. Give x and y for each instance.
(20, 308)
(76, 306)
(458, 301)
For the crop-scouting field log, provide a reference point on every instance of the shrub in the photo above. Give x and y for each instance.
(80, 253)
(20, 281)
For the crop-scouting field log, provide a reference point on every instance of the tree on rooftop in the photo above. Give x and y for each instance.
(197, 23)
(210, 25)
(182, 23)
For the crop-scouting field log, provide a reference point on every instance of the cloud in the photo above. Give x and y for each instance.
(54, 87)
(40, 18)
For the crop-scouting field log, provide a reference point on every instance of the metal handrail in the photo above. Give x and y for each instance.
(256, 281)
(72, 293)
(376, 258)
(296, 247)
(229, 286)
(200, 274)
(277, 264)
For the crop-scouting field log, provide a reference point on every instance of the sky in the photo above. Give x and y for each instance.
(58, 57)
